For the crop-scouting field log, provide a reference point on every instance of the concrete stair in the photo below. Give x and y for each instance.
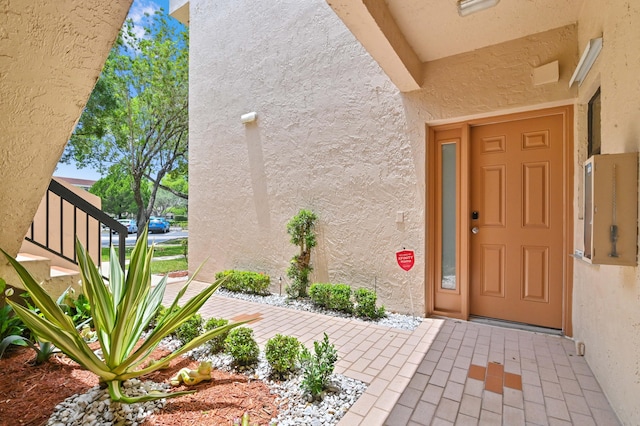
(54, 279)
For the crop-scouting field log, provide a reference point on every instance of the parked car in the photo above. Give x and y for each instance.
(158, 224)
(131, 225)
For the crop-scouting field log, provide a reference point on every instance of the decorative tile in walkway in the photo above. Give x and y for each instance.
(475, 374)
(494, 377)
(446, 372)
(247, 317)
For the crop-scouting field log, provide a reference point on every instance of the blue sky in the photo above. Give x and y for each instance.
(136, 13)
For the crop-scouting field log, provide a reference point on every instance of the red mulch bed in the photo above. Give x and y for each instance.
(178, 274)
(29, 393)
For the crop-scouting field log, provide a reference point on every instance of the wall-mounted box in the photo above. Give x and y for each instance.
(611, 209)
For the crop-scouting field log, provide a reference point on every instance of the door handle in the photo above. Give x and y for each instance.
(475, 230)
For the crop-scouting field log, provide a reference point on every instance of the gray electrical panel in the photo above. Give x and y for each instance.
(611, 209)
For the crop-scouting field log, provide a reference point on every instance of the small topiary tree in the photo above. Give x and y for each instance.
(300, 228)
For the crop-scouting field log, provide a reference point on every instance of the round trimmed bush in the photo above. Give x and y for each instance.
(216, 344)
(241, 345)
(366, 304)
(340, 298)
(190, 329)
(282, 353)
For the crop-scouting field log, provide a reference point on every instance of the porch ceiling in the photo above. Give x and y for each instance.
(402, 35)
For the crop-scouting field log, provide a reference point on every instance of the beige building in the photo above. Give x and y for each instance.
(403, 124)
(400, 123)
(52, 55)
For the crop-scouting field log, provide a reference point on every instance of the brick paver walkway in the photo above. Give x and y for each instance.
(444, 372)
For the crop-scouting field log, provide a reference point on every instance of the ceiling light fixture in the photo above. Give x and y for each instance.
(467, 7)
(589, 56)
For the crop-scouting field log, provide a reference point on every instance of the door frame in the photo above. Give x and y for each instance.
(461, 132)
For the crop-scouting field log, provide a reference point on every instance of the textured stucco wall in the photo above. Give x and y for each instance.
(51, 55)
(606, 314)
(331, 136)
(498, 78)
(335, 136)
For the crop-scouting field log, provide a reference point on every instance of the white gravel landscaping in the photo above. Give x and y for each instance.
(95, 408)
(404, 322)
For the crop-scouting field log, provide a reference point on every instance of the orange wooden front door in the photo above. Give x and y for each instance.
(516, 188)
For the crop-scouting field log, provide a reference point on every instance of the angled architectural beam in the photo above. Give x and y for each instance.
(179, 9)
(372, 24)
(52, 53)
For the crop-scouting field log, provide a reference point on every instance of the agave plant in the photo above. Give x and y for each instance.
(122, 308)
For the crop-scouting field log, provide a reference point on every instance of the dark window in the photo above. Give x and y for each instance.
(594, 124)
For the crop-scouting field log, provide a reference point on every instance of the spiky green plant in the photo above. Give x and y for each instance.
(122, 309)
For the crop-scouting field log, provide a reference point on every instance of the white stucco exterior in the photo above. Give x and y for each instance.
(335, 135)
(332, 135)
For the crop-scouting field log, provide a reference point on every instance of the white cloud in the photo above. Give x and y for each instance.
(137, 14)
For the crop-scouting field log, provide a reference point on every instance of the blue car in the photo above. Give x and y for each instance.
(132, 228)
(158, 225)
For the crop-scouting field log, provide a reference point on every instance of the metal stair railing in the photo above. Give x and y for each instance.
(77, 204)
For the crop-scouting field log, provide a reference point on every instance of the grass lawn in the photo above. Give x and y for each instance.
(164, 266)
(160, 250)
(168, 250)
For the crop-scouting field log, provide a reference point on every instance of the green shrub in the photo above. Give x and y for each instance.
(77, 308)
(300, 228)
(12, 328)
(185, 247)
(320, 294)
(282, 353)
(318, 367)
(241, 345)
(332, 296)
(340, 298)
(160, 314)
(366, 304)
(216, 344)
(245, 281)
(190, 329)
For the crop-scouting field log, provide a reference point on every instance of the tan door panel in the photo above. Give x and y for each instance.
(516, 256)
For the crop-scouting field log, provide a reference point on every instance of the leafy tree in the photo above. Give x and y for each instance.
(172, 194)
(116, 192)
(166, 200)
(137, 117)
(177, 182)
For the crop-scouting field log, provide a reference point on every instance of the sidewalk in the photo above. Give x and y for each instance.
(444, 372)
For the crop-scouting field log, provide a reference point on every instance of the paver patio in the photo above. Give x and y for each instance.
(446, 372)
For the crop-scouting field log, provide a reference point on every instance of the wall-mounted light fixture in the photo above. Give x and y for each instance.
(589, 56)
(249, 117)
(467, 7)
